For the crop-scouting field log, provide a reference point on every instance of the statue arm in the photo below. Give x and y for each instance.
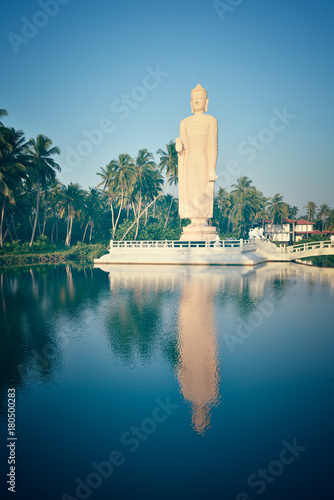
(213, 149)
(181, 145)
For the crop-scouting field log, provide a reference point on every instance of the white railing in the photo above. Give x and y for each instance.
(241, 245)
(310, 246)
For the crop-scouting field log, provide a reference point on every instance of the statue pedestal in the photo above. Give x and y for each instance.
(199, 233)
(219, 252)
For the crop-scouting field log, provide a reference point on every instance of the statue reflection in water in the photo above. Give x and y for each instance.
(198, 372)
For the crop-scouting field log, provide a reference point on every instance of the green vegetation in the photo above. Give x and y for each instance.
(323, 261)
(40, 215)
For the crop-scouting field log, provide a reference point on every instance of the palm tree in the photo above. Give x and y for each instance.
(118, 178)
(43, 167)
(18, 213)
(123, 171)
(244, 198)
(324, 211)
(169, 161)
(56, 190)
(278, 209)
(13, 167)
(330, 221)
(144, 179)
(311, 209)
(108, 187)
(153, 189)
(225, 204)
(48, 196)
(242, 186)
(293, 211)
(3, 112)
(92, 210)
(259, 206)
(71, 205)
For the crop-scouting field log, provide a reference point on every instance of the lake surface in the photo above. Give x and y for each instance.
(169, 382)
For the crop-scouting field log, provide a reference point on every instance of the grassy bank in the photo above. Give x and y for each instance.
(42, 252)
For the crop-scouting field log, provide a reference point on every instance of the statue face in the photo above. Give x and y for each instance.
(198, 101)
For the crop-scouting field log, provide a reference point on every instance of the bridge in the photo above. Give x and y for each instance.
(314, 249)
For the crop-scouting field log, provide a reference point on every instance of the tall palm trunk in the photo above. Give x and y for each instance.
(170, 207)
(44, 222)
(1, 222)
(36, 216)
(146, 208)
(53, 228)
(5, 235)
(13, 226)
(119, 213)
(69, 233)
(112, 219)
(84, 235)
(139, 207)
(9, 231)
(146, 217)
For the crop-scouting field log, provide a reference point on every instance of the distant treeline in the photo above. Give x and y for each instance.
(129, 200)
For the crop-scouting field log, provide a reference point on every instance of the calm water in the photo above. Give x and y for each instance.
(169, 382)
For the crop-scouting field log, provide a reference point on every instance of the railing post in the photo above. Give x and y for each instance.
(241, 244)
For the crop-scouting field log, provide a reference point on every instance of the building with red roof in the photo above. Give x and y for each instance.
(291, 230)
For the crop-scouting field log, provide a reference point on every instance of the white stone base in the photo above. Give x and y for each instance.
(215, 253)
(199, 233)
(184, 254)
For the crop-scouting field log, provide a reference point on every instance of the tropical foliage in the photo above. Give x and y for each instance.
(129, 200)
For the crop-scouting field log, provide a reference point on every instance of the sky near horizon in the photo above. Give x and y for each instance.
(101, 78)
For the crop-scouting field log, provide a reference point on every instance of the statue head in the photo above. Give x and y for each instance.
(199, 99)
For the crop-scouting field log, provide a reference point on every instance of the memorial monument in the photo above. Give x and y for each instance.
(197, 149)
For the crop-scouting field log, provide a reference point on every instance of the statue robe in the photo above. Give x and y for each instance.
(197, 165)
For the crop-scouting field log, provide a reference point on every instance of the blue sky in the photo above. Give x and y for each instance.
(102, 78)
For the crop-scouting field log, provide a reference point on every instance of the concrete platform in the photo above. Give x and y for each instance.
(214, 253)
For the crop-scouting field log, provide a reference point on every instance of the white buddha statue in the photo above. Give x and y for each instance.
(197, 148)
